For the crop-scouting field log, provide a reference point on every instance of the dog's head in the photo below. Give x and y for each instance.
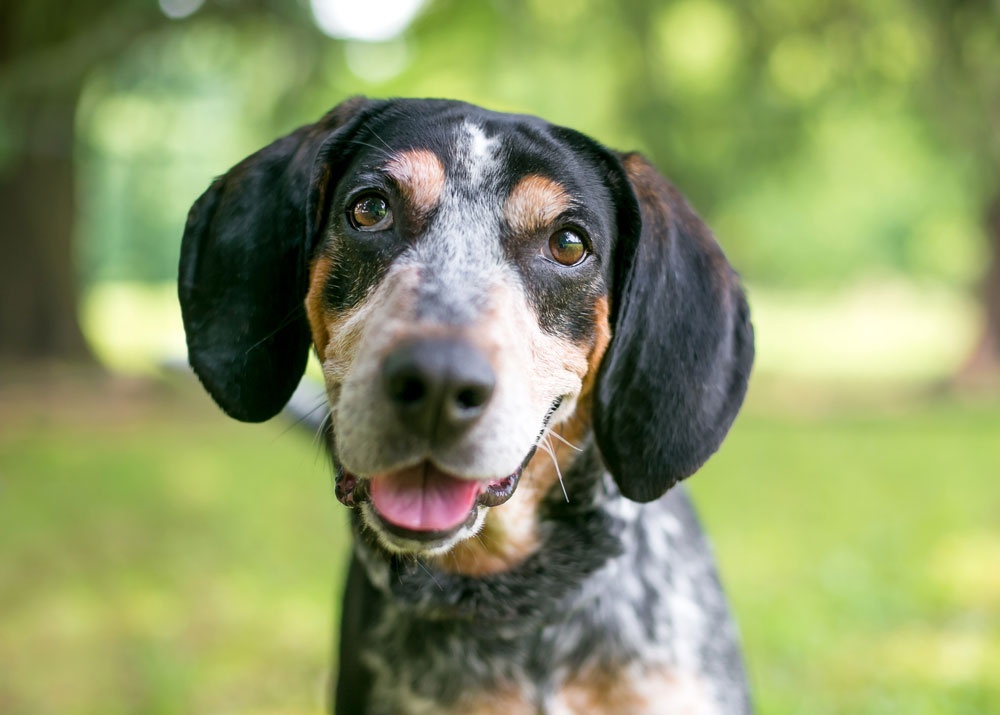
(468, 280)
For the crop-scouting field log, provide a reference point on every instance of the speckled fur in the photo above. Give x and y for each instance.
(607, 601)
(617, 587)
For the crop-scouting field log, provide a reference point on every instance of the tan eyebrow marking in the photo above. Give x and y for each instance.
(420, 176)
(534, 203)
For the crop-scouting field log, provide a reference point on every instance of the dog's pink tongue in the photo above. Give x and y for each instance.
(423, 498)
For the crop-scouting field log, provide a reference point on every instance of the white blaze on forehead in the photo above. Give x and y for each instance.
(461, 253)
(477, 153)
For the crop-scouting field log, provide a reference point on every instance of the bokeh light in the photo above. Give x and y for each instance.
(372, 21)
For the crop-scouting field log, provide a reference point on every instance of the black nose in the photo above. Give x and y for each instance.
(438, 386)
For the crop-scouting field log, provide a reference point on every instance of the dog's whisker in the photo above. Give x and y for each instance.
(289, 318)
(384, 142)
(481, 538)
(305, 417)
(429, 573)
(377, 148)
(562, 439)
(318, 441)
(547, 448)
(319, 437)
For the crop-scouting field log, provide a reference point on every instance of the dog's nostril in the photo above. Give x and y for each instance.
(471, 398)
(407, 389)
(438, 387)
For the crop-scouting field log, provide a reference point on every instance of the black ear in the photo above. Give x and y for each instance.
(244, 267)
(676, 370)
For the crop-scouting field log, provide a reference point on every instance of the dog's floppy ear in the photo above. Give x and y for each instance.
(244, 263)
(676, 370)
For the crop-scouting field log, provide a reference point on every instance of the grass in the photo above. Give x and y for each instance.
(156, 557)
(861, 549)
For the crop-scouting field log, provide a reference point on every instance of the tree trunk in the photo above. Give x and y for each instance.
(38, 282)
(46, 49)
(982, 368)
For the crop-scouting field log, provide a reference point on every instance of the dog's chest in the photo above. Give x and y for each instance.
(652, 692)
(631, 639)
(560, 672)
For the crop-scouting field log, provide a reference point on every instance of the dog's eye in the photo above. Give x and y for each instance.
(568, 247)
(370, 213)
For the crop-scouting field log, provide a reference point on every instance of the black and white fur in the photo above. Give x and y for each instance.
(641, 351)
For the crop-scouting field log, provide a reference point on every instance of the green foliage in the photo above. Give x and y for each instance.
(821, 139)
(158, 126)
(866, 194)
(159, 558)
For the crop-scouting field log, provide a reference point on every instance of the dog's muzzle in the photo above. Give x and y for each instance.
(438, 388)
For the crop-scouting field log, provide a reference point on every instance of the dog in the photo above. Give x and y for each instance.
(526, 340)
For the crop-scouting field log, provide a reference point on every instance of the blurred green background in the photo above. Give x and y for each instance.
(158, 558)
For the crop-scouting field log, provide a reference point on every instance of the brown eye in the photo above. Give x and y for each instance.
(370, 213)
(568, 248)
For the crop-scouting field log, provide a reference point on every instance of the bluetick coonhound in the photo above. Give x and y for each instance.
(527, 339)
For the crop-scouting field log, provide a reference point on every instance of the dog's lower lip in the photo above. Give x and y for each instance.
(425, 536)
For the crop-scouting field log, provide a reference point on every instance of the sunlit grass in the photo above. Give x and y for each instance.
(877, 331)
(134, 327)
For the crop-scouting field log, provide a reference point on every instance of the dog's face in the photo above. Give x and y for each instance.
(455, 301)
(459, 273)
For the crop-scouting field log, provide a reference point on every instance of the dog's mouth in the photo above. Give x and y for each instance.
(424, 507)
(423, 502)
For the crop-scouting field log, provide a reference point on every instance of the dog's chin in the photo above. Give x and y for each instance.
(400, 540)
(422, 509)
